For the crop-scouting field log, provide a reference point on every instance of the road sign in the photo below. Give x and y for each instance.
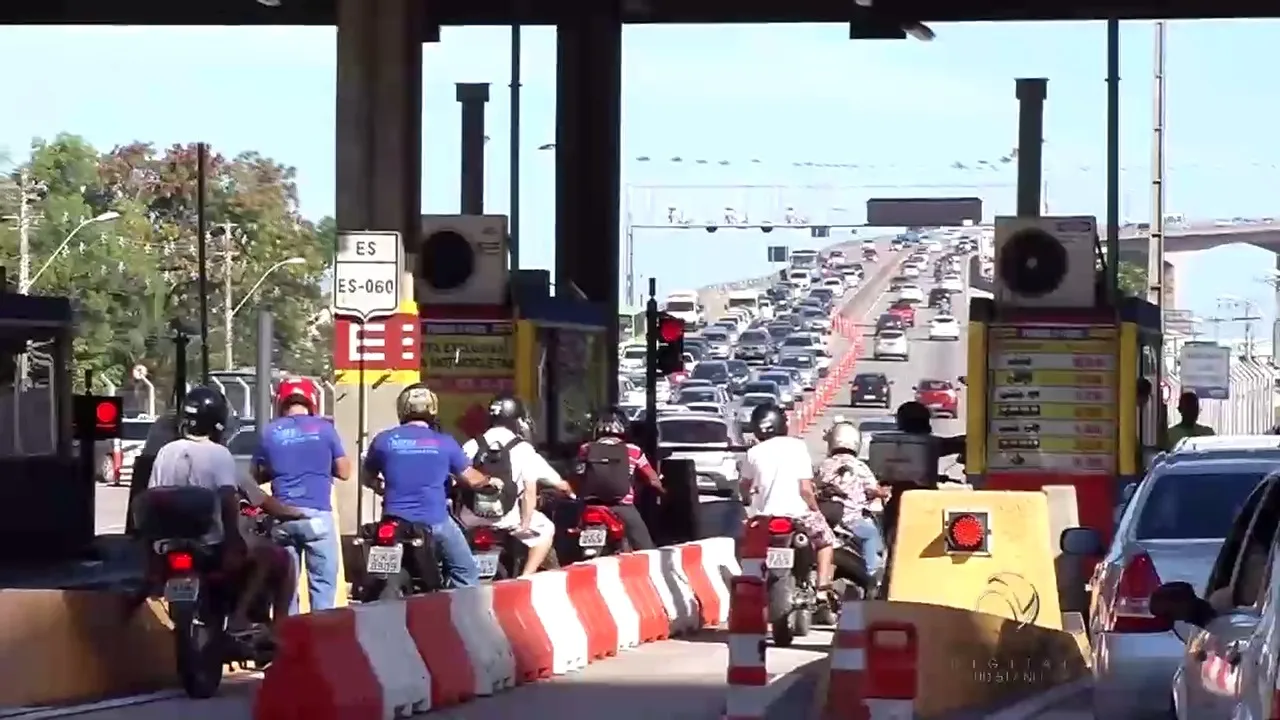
(139, 372)
(1205, 369)
(366, 274)
(777, 253)
(1180, 321)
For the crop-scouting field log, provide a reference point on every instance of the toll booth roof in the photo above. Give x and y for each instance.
(26, 312)
(562, 311)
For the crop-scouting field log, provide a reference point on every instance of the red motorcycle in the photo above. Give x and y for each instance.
(600, 532)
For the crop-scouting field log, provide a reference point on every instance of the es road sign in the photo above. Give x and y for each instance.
(366, 274)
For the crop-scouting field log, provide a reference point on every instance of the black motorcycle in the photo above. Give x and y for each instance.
(791, 579)
(199, 595)
(399, 559)
(500, 555)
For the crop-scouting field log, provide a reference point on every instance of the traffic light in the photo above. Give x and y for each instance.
(97, 417)
(670, 345)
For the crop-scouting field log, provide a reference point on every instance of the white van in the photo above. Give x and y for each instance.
(748, 300)
(684, 305)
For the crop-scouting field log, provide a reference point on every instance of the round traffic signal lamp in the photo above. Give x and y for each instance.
(670, 329)
(106, 413)
(966, 532)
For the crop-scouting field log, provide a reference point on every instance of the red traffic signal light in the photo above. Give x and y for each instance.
(670, 328)
(107, 413)
(97, 417)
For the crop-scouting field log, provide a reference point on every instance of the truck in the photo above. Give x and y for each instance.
(684, 304)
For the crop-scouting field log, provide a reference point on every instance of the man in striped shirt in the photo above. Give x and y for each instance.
(611, 429)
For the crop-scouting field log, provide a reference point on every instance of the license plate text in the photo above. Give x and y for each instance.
(780, 558)
(592, 537)
(385, 560)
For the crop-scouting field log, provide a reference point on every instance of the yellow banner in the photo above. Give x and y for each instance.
(1051, 378)
(1054, 444)
(471, 350)
(1052, 411)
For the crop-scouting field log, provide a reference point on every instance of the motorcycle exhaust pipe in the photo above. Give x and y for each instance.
(800, 540)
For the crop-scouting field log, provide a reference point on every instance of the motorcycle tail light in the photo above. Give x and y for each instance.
(180, 562)
(780, 525)
(596, 515)
(483, 539)
(386, 532)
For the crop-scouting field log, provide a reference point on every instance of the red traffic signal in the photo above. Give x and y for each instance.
(107, 413)
(97, 417)
(966, 532)
(670, 328)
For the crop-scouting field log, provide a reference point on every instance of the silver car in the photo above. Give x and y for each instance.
(755, 346)
(790, 394)
(750, 402)
(1171, 529)
(707, 440)
(806, 368)
(719, 346)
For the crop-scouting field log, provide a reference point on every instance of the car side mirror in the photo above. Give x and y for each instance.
(915, 387)
(1178, 602)
(963, 379)
(1127, 494)
(1081, 542)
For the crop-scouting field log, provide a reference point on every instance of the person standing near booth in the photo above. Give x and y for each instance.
(300, 454)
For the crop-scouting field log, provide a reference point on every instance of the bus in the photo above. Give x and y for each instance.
(804, 259)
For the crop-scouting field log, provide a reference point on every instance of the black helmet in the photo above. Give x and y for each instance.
(507, 411)
(913, 417)
(204, 413)
(768, 421)
(609, 423)
(417, 402)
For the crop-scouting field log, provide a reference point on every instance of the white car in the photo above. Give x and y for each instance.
(632, 358)
(799, 278)
(951, 282)
(944, 327)
(911, 271)
(836, 284)
(891, 344)
(911, 293)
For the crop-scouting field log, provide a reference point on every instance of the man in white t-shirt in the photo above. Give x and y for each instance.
(778, 476)
(528, 468)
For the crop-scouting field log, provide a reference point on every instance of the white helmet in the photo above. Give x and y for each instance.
(844, 436)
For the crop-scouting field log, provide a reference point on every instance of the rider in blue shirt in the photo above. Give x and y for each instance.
(410, 466)
(300, 454)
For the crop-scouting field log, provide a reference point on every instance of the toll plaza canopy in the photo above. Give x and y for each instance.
(551, 12)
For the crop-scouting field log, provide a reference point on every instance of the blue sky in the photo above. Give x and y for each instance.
(902, 112)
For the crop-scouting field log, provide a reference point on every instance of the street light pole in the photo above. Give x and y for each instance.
(229, 312)
(104, 217)
(227, 330)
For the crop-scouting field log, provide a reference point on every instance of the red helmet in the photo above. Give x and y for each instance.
(298, 391)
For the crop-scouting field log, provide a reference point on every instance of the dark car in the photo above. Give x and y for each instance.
(716, 371)
(739, 374)
(871, 390)
(896, 282)
(938, 296)
(754, 345)
(889, 321)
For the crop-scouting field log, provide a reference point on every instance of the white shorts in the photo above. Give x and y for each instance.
(541, 529)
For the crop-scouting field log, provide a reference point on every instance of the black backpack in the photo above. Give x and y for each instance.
(606, 472)
(493, 460)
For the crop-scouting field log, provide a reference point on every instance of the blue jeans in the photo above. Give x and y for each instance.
(455, 554)
(872, 543)
(315, 542)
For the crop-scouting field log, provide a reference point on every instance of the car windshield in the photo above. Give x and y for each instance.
(934, 385)
(797, 341)
(1184, 506)
(696, 395)
(681, 306)
(780, 378)
(634, 353)
(891, 335)
(695, 351)
(715, 336)
(135, 431)
(754, 336)
(760, 387)
(692, 431)
(778, 332)
(738, 368)
(715, 372)
(868, 379)
(759, 399)
(876, 426)
(943, 320)
(798, 361)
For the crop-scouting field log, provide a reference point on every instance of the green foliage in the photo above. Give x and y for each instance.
(134, 275)
(1132, 279)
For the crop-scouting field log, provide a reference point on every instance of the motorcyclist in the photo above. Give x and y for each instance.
(843, 474)
(301, 454)
(610, 429)
(197, 458)
(777, 474)
(914, 418)
(511, 430)
(410, 465)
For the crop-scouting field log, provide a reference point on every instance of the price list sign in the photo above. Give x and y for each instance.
(1053, 399)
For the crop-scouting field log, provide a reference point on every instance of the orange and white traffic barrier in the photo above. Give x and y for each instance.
(873, 668)
(748, 677)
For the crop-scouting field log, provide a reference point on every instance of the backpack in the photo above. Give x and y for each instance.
(494, 460)
(606, 473)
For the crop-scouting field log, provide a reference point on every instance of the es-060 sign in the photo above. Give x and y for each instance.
(366, 274)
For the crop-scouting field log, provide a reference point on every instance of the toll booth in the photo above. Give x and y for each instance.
(1052, 372)
(46, 504)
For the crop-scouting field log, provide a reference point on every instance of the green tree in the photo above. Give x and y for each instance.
(1132, 279)
(135, 275)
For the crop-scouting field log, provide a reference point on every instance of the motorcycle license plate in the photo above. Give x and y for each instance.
(487, 564)
(185, 589)
(780, 558)
(592, 537)
(385, 560)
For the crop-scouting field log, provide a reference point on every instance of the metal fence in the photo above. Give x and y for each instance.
(1251, 407)
(143, 397)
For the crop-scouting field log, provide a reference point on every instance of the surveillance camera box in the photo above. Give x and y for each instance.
(903, 459)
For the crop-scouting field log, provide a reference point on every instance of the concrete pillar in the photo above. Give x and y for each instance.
(379, 180)
(588, 161)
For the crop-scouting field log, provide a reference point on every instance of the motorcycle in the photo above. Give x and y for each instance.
(199, 595)
(500, 555)
(791, 580)
(399, 560)
(600, 532)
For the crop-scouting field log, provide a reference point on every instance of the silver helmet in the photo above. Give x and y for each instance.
(844, 437)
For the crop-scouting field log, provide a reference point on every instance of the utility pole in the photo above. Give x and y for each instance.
(24, 231)
(228, 329)
(1155, 239)
(1244, 311)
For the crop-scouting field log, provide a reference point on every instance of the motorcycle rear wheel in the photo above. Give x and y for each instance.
(199, 665)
